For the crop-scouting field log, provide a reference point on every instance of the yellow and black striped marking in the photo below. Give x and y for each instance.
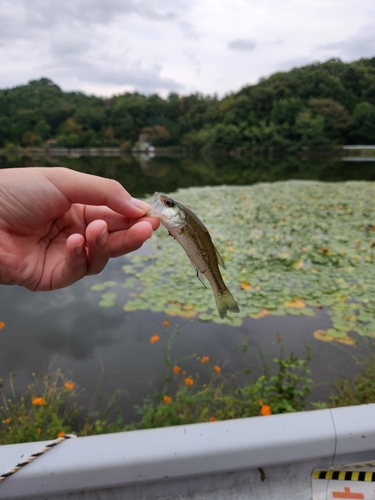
(344, 475)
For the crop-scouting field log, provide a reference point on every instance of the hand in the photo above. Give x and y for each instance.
(58, 225)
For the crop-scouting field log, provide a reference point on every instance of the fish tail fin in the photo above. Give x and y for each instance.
(225, 302)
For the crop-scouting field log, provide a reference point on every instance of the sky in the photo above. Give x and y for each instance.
(107, 47)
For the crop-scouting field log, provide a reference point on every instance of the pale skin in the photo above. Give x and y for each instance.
(58, 225)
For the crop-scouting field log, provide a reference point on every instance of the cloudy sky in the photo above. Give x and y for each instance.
(106, 47)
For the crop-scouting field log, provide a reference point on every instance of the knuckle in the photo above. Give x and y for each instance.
(116, 187)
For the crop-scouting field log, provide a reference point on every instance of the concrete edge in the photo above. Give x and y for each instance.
(104, 461)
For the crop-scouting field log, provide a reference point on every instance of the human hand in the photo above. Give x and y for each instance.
(58, 225)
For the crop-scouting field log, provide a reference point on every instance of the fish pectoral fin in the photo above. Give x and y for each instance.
(200, 276)
(219, 258)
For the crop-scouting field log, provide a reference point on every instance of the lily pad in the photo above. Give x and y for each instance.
(288, 249)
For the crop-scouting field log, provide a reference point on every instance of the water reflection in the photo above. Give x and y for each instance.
(66, 329)
(145, 175)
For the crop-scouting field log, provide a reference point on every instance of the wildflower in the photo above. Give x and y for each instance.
(7, 421)
(205, 359)
(213, 419)
(189, 381)
(69, 385)
(166, 323)
(265, 411)
(176, 369)
(184, 372)
(39, 430)
(2, 324)
(154, 339)
(167, 399)
(61, 434)
(39, 402)
(216, 368)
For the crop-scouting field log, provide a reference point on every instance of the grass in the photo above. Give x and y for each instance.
(50, 406)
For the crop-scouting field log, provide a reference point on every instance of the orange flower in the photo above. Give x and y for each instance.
(205, 359)
(265, 411)
(61, 434)
(69, 385)
(189, 381)
(154, 339)
(167, 399)
(176, 369)
(7, 421)
(213, 419)
(216, 368)
(39, 402)
(166, 323)
(2, 324)
(39, 430)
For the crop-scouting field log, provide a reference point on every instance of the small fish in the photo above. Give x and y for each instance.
(189, 231)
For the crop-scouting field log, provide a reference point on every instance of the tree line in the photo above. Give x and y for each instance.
(316, 106)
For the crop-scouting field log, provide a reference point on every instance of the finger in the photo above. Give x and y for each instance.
(75, 265)
(78, 187)
(123, 242)
(116, 221)
(98, 246)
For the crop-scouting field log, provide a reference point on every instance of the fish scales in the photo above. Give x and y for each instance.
(192, 235)
(204, 253)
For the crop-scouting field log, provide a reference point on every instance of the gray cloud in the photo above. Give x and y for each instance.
(25, 19)
(242, 45)
(362, 44)
(187, 29)
(66, 41)
(111, 71)
(100, 11)
(296, 63)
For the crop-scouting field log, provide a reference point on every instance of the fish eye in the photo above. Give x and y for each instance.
(169, 203)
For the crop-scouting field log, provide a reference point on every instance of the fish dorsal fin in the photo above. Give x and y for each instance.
(219, 258)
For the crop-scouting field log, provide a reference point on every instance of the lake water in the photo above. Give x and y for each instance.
(110, 348)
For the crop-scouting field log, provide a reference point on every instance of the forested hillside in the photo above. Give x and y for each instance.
(319, 105)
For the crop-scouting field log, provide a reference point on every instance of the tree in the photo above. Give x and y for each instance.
(43, 130)
(311, 129)
(286, 110)
(362, 124)
(336, 117)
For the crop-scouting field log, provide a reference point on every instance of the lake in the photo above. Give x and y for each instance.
(108, 349)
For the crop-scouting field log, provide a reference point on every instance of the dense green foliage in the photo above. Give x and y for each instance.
(319, 105)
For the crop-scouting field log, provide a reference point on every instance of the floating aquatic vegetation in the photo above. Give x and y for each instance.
(289, 247)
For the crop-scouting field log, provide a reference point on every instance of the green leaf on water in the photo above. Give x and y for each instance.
(106, 303)
(205, 317)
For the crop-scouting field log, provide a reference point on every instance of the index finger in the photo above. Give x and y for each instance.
(88, 189)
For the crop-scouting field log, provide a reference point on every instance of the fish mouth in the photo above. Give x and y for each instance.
(156, 207)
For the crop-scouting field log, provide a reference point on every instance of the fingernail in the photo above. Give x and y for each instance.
(102, 238)
(79, 249)
(140, 204)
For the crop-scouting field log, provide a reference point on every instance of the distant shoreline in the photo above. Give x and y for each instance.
(360, 151)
